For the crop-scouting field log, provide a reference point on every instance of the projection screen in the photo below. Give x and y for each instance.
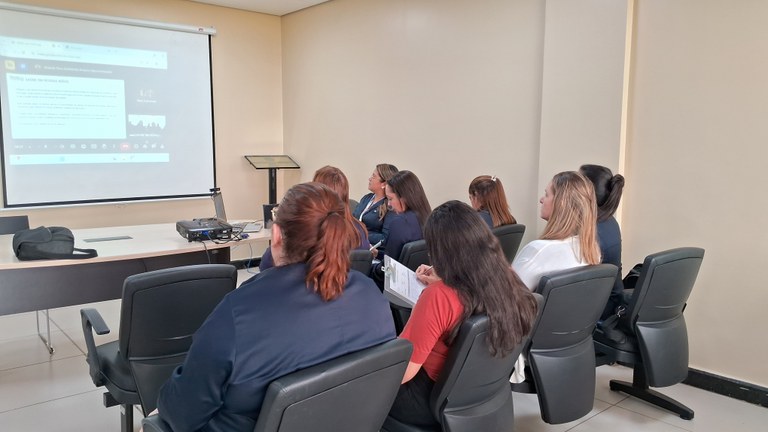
(103, 109)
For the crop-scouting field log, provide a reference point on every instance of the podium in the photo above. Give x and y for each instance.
(271, 163)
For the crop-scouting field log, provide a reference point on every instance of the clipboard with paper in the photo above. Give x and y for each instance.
(401, 282)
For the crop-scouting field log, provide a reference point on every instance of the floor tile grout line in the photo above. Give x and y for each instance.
(50, 360)
(623, 398)
(46, 401)
(585, 418)
(73, 341)
(653, 418)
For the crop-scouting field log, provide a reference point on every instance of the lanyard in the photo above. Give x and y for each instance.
(368, 207)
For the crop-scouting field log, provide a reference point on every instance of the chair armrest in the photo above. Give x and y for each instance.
(93, 318)
(93, 322)
(154, 423)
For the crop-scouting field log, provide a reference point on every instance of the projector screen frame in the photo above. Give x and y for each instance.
(207, 31)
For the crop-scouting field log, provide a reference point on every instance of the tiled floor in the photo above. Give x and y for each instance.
(39, 392)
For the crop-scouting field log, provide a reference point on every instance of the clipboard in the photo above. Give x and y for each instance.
(401, 282)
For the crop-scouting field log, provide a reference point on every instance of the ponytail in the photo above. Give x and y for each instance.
(608, 189)
(318, 229)
(328, 261)
(615, 187)
(490, 193)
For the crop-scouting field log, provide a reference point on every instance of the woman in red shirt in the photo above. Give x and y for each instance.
(469, 276)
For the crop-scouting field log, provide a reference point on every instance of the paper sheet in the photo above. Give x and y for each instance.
(401, 281)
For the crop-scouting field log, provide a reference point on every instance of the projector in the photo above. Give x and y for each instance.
(204, 229)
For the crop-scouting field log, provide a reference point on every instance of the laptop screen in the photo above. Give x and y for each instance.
(218, 204)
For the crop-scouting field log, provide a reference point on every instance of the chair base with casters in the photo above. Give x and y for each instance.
(352, 392)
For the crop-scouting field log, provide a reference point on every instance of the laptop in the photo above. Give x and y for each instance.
(237, 227)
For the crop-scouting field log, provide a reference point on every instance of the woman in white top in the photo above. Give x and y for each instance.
(569, 240)
(570, 237)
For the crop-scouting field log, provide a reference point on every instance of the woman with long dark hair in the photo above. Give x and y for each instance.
(459, 288)
(307, 309)
(608, 190)
(409, 209)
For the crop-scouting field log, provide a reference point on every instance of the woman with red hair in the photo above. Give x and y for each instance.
(307, 309)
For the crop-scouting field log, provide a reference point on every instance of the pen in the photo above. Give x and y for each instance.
(376, 245)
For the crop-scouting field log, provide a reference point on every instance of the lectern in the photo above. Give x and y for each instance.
(271, 163)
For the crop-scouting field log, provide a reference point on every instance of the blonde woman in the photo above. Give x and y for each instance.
(569, 240)
(570, 237)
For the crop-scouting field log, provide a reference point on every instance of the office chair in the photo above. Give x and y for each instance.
(560, 355)
(160, 312)
(360, 260)
(12, 225)
(656, 346)
(414, 254)
(353, 204)
(353, 392)
(472, 393)
(510, 237)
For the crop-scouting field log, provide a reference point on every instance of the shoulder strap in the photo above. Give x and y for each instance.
(84, 254)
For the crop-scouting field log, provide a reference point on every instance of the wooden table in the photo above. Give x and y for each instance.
(45, 284)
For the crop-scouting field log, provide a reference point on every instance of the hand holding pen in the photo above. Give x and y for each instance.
(426, 274)
(374, 249)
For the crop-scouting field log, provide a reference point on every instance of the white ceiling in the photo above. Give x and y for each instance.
(272, 7)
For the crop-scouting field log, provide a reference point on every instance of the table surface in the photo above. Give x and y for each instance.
(144, 241)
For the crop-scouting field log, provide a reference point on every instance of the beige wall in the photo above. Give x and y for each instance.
(695, 167)
(247, 78)
(582, 98)
(449, 89)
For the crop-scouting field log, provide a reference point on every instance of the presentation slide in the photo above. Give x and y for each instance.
(95, 111)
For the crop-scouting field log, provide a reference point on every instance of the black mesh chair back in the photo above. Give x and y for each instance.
(472, 394)
(13, 224)
(160, 312)
(510, 237)
(360, 260)
(353, 392)
(414, 254)
(560, 352)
